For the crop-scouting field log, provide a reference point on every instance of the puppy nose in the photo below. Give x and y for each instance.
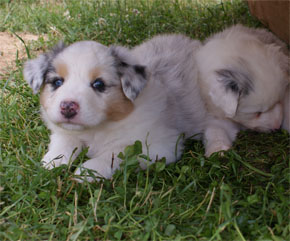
(278, 116)
(276, 126)
(69, 109)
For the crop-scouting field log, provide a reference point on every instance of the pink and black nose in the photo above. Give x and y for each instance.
(69, 109)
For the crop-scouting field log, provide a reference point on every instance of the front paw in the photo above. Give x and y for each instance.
(216, 147)
(96, 168)
(50, 162)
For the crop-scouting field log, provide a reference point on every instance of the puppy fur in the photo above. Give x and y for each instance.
(286, 110)
(243, 75)
(106, 98)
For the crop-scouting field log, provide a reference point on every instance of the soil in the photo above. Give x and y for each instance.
(9, 44)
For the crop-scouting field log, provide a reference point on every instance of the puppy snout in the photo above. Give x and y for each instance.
(276, 125)
(69, 109)
(278, 112)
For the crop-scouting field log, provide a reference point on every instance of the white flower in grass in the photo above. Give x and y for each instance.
(54, 30)
(136, 11)
(66, 14)
(102, 21)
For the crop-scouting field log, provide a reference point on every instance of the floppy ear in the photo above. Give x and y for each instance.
(133, 76)
(222, 98)
(35, 70)
(228, 87)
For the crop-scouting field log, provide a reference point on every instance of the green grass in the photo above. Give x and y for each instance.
(243, 195)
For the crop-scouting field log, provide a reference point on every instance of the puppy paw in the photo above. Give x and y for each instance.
(93, 167)
(216, 147)
(49, 162)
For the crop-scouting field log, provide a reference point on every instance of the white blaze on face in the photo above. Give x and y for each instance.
(79, 66)
(268, 120)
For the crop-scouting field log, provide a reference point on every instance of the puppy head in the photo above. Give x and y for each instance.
(85, 84)
(243, 78)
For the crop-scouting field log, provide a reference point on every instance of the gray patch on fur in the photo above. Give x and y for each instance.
(132, 83)
(235, 81)
(132, 75)
(35, 70)
(57, 49)
(140, 70)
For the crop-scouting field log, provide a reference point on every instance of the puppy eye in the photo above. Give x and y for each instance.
(258, 114)
(57, 82)
(98, 85)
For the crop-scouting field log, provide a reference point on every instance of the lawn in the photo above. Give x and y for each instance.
(243, 195)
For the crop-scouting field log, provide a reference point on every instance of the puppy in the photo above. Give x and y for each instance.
(243, 75)
(286, 109)
(106, 98)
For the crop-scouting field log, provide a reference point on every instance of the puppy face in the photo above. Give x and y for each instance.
(85, 84)
(243, 79)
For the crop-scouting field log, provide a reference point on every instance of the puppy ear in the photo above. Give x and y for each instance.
(133, 76)
(35, 70)
(229, 86)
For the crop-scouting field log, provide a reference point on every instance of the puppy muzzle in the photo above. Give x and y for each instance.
(69, 109)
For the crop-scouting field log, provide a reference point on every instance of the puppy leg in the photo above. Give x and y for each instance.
(103, 166)
(106, 163)
(219, 136)
(170, 149)
(286, 110)
(61, 150)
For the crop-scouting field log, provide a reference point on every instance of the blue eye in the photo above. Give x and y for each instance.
(57, 83)
(98, 85)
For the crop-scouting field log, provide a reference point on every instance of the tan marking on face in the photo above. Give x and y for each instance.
(44, 96)
(95, 73)
(119, 108)
(61, 70)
